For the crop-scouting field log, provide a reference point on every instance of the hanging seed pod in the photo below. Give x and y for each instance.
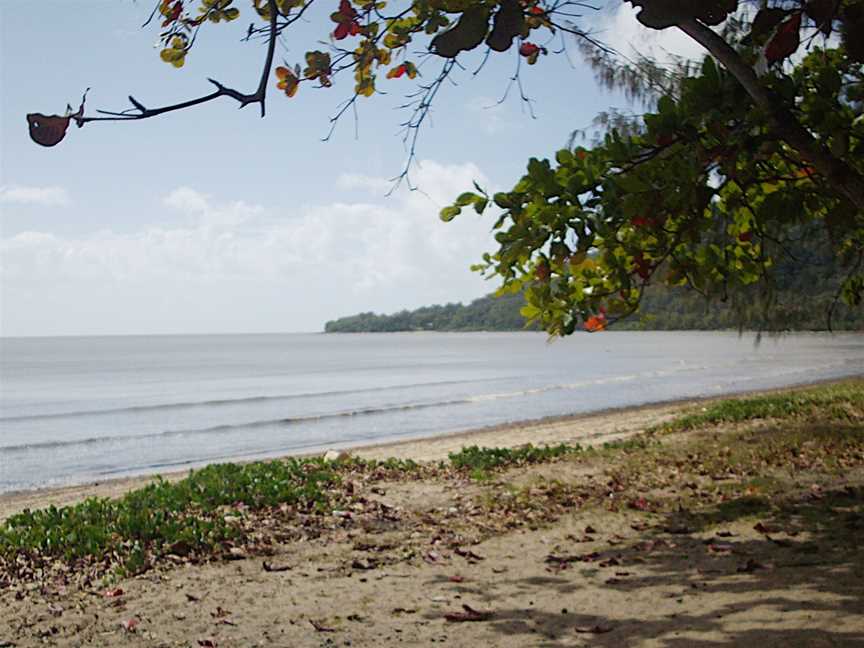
(47, 130)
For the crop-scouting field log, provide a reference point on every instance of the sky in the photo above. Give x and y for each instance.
(213, 220)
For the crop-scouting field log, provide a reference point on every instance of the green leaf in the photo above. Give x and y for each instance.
(449, 213)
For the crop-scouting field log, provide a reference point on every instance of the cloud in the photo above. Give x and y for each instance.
(199, 207)
(363, 182)
(491, 113)
(187, 199)
(225, 264)
(44, 196)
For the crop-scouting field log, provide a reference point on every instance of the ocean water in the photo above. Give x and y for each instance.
(88, 408)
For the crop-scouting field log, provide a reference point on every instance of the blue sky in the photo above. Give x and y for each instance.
(214, 220)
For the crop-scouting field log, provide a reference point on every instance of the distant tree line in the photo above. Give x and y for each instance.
(487, 313)
(804, 289)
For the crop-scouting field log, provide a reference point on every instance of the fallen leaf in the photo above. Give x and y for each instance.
(468, 554)
(457, 579)
(319, 627)
(432, 557)
(720, 548)
(678, 530)
(220, 613)
(640, 504)
(470, 614)
(270, 567)
(763, 528)
(112, 593)
(751, 566)
(595, 629)
(129, 625)
(235, 553)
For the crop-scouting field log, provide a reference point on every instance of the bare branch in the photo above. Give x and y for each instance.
(139, 111)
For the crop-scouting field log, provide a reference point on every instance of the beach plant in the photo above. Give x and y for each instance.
(835, 402)
(194, 517)
(480, 461)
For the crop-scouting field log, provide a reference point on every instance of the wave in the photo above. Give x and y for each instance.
(317, 418)
(223, 402)
(368, 411)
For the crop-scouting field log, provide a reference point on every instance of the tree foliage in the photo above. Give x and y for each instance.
(705, 191)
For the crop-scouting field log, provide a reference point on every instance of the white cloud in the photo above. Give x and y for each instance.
(225, 265)
(44, 196)
(363, 182)
(187, 199)
(199, 206)
(491, 113)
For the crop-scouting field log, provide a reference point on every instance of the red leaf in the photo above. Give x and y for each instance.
(643, 267)
(640, 504)
(129, 625)
(595, 323)
(786, 40)
(341, 31)
(457, 579)
(528, 49)
(112, 593)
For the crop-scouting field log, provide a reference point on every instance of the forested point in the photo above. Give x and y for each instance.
(805, 288)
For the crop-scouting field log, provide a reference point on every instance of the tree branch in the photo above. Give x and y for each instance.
(844, 178)
(139, 111)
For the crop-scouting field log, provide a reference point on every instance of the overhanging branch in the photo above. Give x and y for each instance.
(840, 175)
(139, 111)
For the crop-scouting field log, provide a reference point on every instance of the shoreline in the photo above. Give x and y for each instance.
(588, 428)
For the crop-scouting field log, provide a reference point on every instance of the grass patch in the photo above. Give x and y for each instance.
(192, 517)
(837, 402)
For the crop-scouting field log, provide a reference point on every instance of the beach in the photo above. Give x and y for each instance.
(704, 533)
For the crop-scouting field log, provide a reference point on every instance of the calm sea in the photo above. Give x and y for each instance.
(78, 409)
